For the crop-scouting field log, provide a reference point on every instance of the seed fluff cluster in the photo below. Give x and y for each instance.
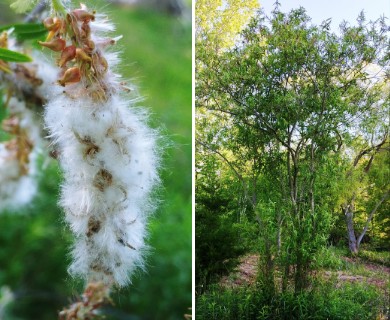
(26, 88)
(106, 151)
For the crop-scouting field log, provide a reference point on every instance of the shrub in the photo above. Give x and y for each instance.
(328, 258)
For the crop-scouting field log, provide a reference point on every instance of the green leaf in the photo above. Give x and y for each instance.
(27, 31)
(21, 6)
(13, 56)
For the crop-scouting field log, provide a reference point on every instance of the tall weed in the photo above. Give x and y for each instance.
(326, 301)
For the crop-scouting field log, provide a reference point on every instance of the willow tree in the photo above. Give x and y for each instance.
(294, 90)
(219, 22)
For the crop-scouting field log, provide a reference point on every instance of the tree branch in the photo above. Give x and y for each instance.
(384, 197)
(35, 13)
(240, 177)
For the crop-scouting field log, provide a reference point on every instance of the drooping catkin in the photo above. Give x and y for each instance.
(17, 158)
(105, 149)
(25, 88)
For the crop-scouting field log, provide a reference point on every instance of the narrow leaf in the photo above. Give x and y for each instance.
(30, 36)
(27, 31)
(21, 6)
(13, 56)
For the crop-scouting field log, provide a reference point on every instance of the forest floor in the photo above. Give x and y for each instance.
(347, 270)
(362, 271)
(341, 286)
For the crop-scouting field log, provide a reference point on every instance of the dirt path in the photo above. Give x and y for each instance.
(371, 273)
(245, 274)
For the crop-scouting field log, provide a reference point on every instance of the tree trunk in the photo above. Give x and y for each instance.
(354, 242)
(351, 231)
(286, 275)
(279, 232)
(301, 272)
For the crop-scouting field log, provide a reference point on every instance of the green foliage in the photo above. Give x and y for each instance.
(329, 258)
(281, 109)
(21, 6)
(13, 56)
(217, 238)
(348, 302)
(217, 247)
(219, 22)
(33, 254)
(3, 114)
(58, 6)
(27, 31)
(381, 257)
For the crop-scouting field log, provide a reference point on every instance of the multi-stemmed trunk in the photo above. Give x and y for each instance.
(353, 241)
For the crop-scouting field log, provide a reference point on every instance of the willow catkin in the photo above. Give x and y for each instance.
(25, 87)
(105, 149)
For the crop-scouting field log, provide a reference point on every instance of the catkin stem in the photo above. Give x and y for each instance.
(58, 7)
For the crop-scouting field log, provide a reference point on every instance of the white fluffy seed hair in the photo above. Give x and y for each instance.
(110, 162)
(15, 190)
(18, 190)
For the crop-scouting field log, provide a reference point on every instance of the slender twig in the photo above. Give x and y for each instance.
(34, 14)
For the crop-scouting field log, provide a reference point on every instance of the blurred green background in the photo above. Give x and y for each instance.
(35, 242)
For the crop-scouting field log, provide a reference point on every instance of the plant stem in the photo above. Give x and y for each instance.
(34, 14)
(58, 6)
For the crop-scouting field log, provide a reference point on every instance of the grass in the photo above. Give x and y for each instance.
(368, 263)
(382, 257)
(325, 301)
(156, 52)
(342, 287)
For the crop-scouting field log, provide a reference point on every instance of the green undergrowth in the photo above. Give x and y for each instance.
(335, 258)
(342, 287)
(339, 264)
(325, 301)
(379, 257)
(331, 258)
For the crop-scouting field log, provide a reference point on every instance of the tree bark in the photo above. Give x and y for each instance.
(384, 197)
(279, 232)
(351, 231)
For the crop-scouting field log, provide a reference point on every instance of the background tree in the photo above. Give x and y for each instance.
(217, 25)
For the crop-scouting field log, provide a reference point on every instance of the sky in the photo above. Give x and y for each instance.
(338, 10)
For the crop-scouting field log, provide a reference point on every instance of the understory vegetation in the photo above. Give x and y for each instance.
(325, 302)
(342, 287)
